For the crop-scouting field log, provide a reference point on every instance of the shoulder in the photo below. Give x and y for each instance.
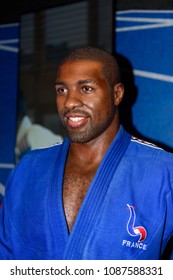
(36, 167)
(148, 152)
(37, 162)
(40, 154)
(143, 145)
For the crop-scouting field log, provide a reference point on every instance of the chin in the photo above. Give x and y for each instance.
(79, 137)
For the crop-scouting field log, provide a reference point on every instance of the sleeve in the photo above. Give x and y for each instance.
(169, 248)
(168, 236)
(6, 252)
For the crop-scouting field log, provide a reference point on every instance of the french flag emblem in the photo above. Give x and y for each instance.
(135, 230)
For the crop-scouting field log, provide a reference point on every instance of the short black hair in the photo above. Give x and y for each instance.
(111, 70)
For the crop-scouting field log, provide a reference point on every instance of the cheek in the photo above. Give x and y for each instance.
(101, 109)
(104, 105)
(59, 104)
(107, 109)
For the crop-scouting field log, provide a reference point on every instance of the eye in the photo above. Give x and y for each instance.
(87, 88)
(60, 90)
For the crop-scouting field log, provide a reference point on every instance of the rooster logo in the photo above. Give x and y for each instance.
(132, 229)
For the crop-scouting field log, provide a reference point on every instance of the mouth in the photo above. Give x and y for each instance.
(76, 121)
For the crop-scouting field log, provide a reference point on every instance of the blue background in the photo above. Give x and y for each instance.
(9, 37)
(149, 50)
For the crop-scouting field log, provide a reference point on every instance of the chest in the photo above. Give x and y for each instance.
(75, 187)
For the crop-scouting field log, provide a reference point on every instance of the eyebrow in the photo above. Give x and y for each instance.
(86, 81)
(80, 82)
(60, 83)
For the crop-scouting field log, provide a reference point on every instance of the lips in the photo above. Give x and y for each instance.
(76, 120)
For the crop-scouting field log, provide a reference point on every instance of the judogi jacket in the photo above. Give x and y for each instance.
(127, 212)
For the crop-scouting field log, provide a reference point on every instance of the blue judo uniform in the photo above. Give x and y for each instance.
(127, 212)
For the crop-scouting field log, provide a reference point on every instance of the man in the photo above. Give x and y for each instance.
(101, 194)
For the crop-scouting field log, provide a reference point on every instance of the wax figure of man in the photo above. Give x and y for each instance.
(101, 194)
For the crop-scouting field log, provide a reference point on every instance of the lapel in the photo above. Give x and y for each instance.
(94, 198)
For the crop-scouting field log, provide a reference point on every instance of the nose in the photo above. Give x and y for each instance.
(73, 100)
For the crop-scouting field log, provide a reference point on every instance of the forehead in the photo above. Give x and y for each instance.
(81, 68)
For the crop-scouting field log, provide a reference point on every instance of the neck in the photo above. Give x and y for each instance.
(92, 152)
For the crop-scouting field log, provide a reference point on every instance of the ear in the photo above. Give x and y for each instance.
(118, 93)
